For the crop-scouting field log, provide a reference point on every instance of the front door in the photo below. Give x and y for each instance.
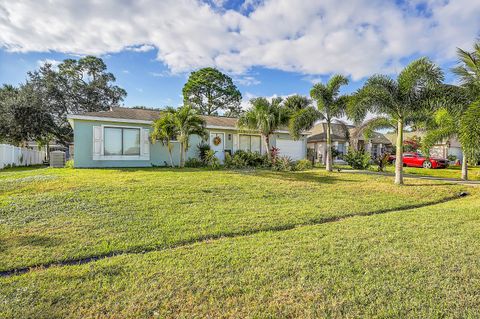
(217, 144)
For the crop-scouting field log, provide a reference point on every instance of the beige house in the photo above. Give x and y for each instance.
(341, 141)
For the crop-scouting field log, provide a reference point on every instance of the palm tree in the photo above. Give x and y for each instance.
(302, 114)
(266, 117)
(402, 100)
(330, 105)
(468, 71)
(188, 122)
(165, 130)
(452, 105)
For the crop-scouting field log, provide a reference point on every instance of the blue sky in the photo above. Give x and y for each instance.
(276, 47)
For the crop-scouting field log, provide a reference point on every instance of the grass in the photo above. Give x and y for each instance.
(54, 215)
(422, 262)
(450, 172)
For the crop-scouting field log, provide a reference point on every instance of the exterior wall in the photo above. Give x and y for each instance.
(83, 137)
(274, 137)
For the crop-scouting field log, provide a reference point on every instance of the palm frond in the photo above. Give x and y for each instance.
(303, 119)
(419, 74)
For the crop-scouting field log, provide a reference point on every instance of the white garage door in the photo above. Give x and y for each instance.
(293, 149)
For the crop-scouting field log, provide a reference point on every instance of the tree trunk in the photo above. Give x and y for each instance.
(267, 146)
(171, 158)
(329, 160)
(399, 156)
(182, 159)
(464, 167)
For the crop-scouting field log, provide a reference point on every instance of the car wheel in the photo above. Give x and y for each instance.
(427, 164)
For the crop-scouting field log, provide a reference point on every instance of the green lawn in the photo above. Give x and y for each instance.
(423, 262)
(450, 172)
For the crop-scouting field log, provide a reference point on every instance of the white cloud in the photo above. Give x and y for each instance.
(52, 62)
(246, 80)
(141, 48)
(355, 38)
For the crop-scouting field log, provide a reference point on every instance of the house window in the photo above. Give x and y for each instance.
(250, 143)
(121, 141)
(341, 148)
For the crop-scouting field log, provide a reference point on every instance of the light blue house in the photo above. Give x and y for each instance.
(121, 138)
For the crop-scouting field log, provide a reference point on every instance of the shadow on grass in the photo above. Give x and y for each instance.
(304, 176)
(209, 237)
(22, 168)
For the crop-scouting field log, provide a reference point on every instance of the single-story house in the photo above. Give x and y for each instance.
(443, 149)
(317, 141)
(120, 137)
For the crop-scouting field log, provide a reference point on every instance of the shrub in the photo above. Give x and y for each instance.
(194, 162)
(211, 160)
(357, 159)
(274, 154)
(452, 158)
(203, 148)
(381, 162)
(303, 165)
(283, 163)
(69, 164)
(234, 161)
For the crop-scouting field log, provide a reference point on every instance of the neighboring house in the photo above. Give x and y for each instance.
(443, 149)
(121, 138)
(317, 141)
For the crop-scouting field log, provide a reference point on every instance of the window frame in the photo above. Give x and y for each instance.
(123, 140)
(250, 144)
(140, 157)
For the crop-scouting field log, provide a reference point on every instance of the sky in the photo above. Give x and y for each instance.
(269, 48)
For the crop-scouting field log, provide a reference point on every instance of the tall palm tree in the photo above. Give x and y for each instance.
(330, 105)
(165, 130)
(266, 117)
(402, 100)
(188, 122)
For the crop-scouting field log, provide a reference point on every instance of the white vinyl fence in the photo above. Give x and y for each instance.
(19, 156)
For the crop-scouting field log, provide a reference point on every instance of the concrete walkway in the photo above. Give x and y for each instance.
(428, 178)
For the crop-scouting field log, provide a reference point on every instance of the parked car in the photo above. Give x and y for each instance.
(414, 159)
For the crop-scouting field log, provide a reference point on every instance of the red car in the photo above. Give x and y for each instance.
(418, 160)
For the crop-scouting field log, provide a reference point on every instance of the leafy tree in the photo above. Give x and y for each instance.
(209, 91)
(266, 117)
(77, 86)
(188, 122)
(402, 100)
(166, 130)
(330, 105)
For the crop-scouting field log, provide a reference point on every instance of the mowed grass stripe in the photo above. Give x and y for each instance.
(49, 216)
(144, 250)
(418, 263)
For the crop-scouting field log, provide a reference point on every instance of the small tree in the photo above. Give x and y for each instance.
(209, 91)
(266, 117)
(188, 122)
(330, 105)
(470, 132)
(165, 130)
(402, 100)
